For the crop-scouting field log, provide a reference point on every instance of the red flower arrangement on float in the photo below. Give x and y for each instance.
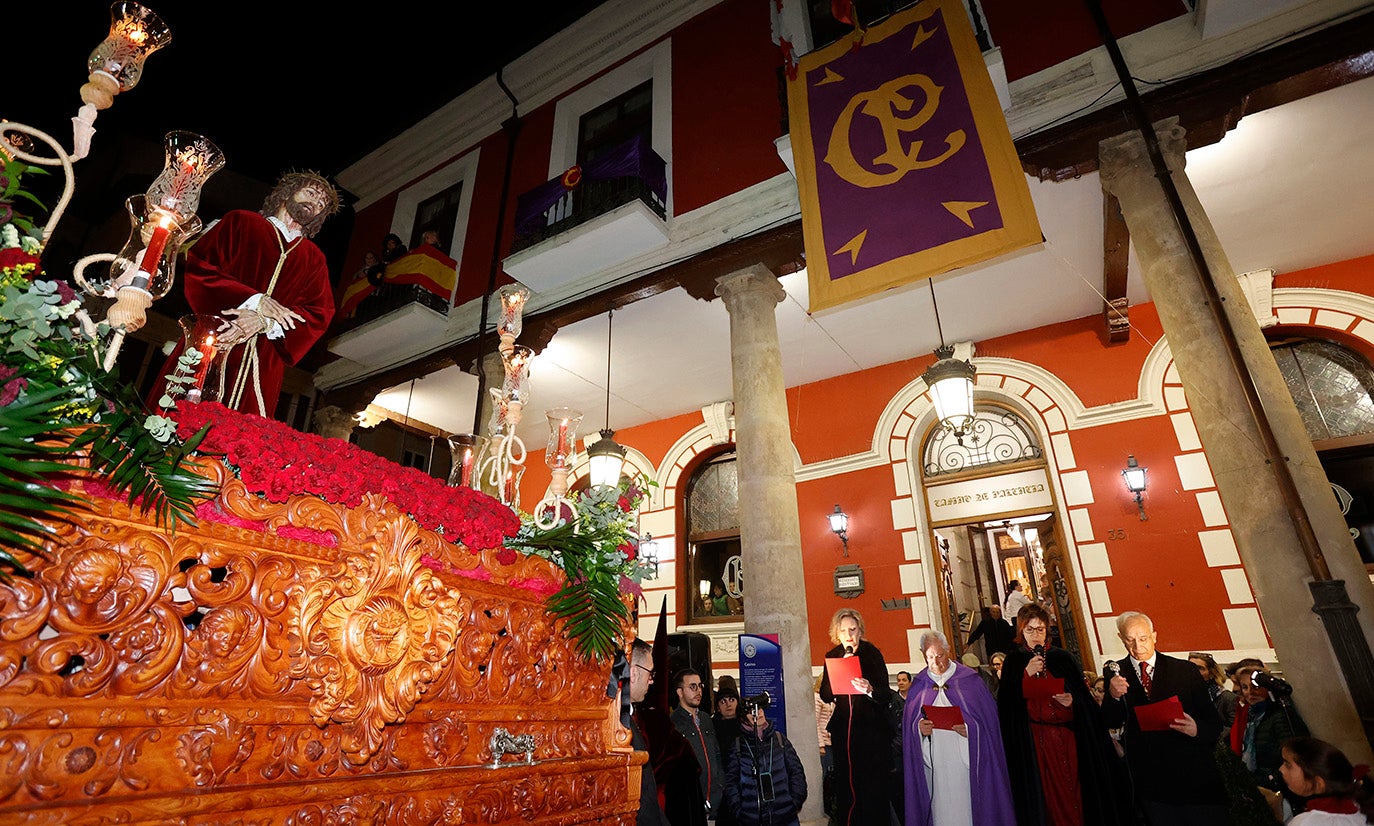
(275, 461)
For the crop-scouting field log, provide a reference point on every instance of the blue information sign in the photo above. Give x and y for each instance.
(760, 670)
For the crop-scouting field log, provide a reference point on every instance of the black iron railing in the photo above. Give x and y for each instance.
(388, 298)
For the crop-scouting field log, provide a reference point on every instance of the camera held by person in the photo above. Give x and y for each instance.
(749, 705)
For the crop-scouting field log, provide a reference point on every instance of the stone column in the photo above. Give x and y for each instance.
(770, 533)
(494, 373)
(1265, 535)
(333, 422)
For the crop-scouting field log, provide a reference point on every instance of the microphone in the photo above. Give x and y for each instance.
(848, 649)
(1039, 651)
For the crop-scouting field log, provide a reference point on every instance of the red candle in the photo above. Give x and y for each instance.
(508, 490)
(156, 245)
(467, 467)
(563, 438)
(207, 355)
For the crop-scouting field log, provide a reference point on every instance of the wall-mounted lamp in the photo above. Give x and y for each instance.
(839, 523)
(1134, 475)
(648, 552)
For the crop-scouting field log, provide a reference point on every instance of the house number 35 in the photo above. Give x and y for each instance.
(1116, 533)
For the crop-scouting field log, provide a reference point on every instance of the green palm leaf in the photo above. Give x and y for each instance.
(27, 462)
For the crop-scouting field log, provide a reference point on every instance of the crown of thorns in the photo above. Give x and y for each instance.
(296, 180)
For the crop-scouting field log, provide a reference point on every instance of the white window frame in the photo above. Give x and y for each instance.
(463, 170)
(654, 64)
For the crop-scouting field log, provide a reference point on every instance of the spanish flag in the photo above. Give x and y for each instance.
(427, 267)
(353, 294)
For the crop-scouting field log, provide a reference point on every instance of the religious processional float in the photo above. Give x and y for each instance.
(206, 612)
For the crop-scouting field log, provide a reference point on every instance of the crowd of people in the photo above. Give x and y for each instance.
(1031, 740)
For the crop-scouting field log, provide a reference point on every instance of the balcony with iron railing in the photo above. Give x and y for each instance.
(381, 318)
(591, 217)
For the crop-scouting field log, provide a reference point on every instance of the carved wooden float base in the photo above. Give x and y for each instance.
(237, 673)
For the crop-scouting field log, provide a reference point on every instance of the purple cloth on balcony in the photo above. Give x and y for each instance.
(634, 158)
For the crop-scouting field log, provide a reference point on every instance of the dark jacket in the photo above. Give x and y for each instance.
(1101, 781)
(1276, 724)
(751, 759)
(997, 636)
(1168, 766)
(674, 765)
(707, 750)
(649, 812)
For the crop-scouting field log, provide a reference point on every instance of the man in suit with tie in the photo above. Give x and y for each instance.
(1173, 772)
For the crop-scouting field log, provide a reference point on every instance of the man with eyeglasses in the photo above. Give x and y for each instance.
(641, 675)
(701, 735)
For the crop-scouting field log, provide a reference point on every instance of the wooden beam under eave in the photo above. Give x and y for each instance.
(1116, 247)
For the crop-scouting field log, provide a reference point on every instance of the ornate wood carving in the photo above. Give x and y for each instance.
(230, 674)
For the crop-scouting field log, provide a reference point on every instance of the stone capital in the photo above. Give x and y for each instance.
(333, 422)
(757, 281)
(1123, 159)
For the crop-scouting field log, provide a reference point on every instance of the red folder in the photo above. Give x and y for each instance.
(1159, 716)
(1042, 688)
(842, 671)
(945, 717)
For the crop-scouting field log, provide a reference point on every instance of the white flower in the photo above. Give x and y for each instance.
(9, 236)
(30, 245)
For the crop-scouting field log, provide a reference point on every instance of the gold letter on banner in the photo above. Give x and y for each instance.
(905, 165)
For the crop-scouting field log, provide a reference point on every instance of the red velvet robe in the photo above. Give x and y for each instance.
(235, 260)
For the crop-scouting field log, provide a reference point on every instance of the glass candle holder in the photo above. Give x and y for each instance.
(510, 486)
(191, 160)
(563, 422)
(468, 450)
(513, 298)
(135, 33)
(201, 333)
(516, 388)
(147, 261)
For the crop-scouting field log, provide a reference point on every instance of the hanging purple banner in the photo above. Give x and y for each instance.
(634, 158)
(905, 165)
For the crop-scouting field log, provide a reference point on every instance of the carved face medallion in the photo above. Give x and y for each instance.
(378, 634)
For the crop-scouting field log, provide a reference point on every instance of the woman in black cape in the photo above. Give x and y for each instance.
(1105, 794)
(860, 729)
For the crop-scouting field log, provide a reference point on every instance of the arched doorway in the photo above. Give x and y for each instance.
(993, 518)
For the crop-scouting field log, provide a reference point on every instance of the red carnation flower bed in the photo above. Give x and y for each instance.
(276, 462)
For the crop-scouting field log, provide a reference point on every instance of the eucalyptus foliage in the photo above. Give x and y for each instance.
(598, 550)
(60, 410)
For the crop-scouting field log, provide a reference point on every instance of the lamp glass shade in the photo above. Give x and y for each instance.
(517, 384)
(148, 258)
(191, 160)
(513, 298)
(839, 520)
(563, 422)
(468, 451)
(1134, 475)
(605, 458)
(199, 333)
(951, 389)
(135, 33)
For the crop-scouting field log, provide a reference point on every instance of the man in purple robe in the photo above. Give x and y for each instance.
(955, 775)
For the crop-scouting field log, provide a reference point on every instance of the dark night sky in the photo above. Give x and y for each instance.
(276, 85)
